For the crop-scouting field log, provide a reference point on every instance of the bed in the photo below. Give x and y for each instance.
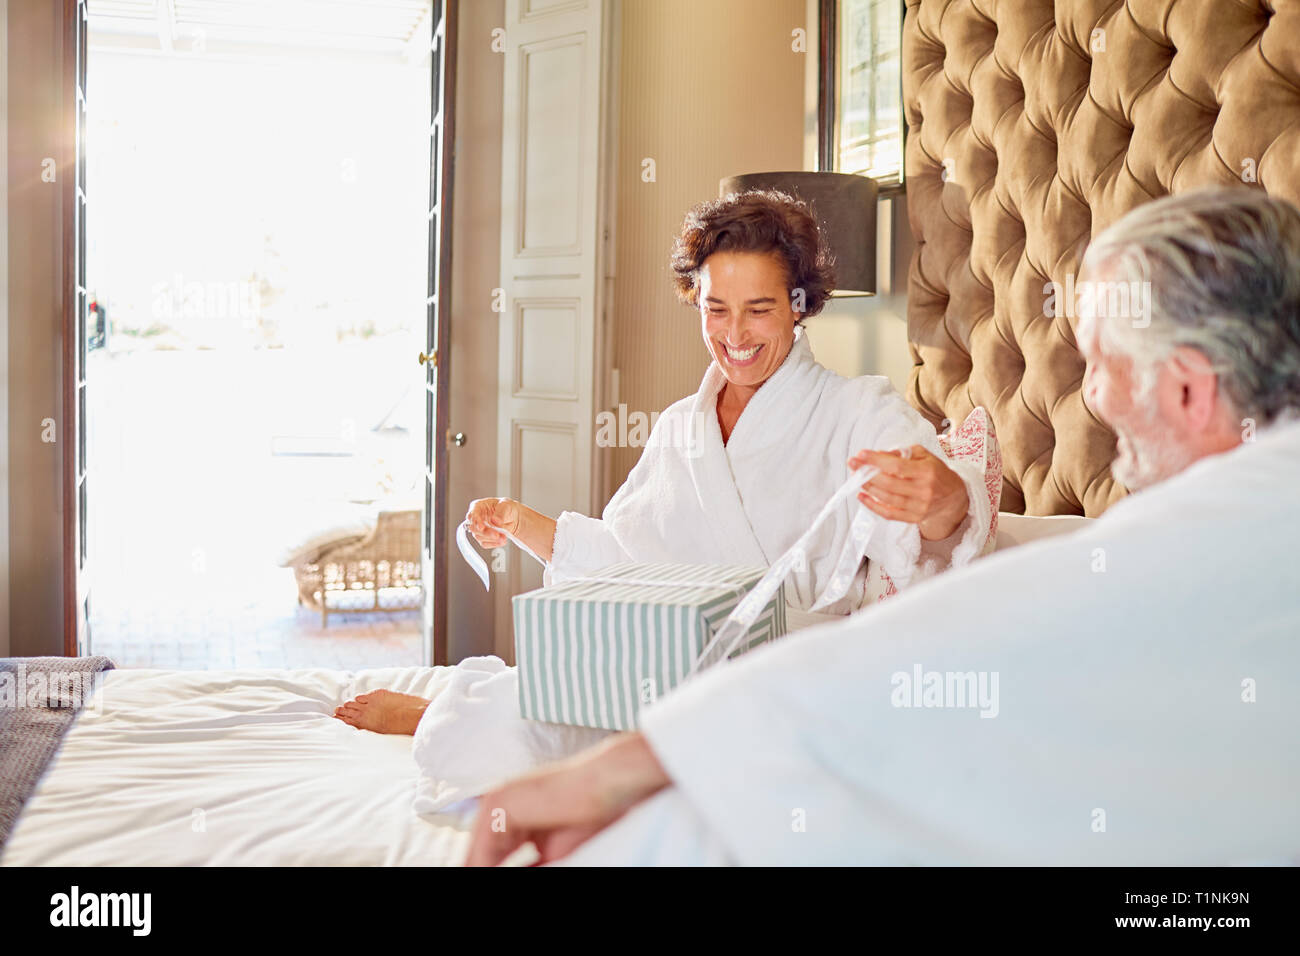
(248, 768)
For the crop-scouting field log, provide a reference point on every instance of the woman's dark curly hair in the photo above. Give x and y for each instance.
(756, 220)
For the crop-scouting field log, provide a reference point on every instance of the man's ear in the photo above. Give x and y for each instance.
(1200, 403)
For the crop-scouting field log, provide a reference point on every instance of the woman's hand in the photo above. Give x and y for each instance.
(558, 808)
(919, 489)
(488, 517)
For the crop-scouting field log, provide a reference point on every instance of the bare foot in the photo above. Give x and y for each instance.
(384, 712)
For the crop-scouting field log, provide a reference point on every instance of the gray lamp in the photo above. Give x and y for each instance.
(844, 205)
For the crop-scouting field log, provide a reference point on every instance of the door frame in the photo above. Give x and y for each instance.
(72, 169)
(442, 130)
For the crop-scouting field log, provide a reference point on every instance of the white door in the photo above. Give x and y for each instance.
(554, 212)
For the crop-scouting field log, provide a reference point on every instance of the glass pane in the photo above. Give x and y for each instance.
(428, 514)
(429, 423)
(869, 99)
(436, 80)
(82, 428)
(433, 265)
(81, 521)
(84, 332)
(81, 239)
(435, 167)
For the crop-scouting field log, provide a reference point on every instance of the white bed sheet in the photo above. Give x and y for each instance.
(240, 768)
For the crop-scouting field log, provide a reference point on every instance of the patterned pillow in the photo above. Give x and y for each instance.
(975, 441)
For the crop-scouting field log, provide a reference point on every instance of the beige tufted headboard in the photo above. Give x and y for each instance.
(1033, 125)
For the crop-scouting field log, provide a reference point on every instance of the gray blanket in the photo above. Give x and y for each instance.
(40, 697)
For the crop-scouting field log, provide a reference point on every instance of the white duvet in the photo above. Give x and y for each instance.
(240, 768)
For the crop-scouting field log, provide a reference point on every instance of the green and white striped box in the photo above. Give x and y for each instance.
(592, 652)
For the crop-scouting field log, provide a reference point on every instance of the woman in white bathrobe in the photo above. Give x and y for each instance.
(735, 473)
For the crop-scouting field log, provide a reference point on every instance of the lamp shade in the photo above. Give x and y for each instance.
(845, 207)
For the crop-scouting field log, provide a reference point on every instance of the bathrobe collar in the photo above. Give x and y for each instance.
(760, 424)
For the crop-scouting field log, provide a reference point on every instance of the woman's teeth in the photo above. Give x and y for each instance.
(740, 356)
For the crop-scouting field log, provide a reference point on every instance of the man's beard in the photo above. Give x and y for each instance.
(1150, 459)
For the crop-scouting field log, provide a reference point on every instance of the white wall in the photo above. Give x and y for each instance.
(35, 132)
(707, 90)
(867, 335)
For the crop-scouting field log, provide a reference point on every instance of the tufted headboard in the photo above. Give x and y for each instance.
(1032, 125)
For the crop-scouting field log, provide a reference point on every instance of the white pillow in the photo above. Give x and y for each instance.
(1015, 530)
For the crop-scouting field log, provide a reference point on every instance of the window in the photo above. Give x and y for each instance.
(861, 88)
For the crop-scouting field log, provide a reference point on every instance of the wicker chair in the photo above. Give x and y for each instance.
(383, 569)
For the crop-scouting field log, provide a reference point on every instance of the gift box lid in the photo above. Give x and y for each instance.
(662, 585)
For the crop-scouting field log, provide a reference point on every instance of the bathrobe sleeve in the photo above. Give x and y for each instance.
(655, 515)
(899, 555)
(583, 545)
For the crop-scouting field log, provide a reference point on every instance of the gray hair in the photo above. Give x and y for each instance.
(1223, 267)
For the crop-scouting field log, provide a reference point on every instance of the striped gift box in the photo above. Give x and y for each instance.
(592, 652)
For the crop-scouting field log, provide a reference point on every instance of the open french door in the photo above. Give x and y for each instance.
(436, 356)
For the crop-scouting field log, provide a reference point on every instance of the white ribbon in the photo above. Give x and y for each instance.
(475, 561)
(851, 555)
(737, 625)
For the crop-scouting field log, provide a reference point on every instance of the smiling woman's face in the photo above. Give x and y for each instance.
(746, 317)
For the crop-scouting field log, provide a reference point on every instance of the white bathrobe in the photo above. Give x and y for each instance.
(693, 499)
(1146, 711)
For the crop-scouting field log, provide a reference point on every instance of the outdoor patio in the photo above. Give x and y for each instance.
(208, 465)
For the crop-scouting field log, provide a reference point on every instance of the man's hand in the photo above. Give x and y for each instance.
(920, 490)
(560, 807)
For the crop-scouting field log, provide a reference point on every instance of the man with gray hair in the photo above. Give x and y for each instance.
(1218, 356)
(1147, 667)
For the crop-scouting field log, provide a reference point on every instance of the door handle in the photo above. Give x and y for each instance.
(429, 359)
(457, 439)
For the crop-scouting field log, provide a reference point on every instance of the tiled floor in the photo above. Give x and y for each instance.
(218, 637)
(190, 510)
